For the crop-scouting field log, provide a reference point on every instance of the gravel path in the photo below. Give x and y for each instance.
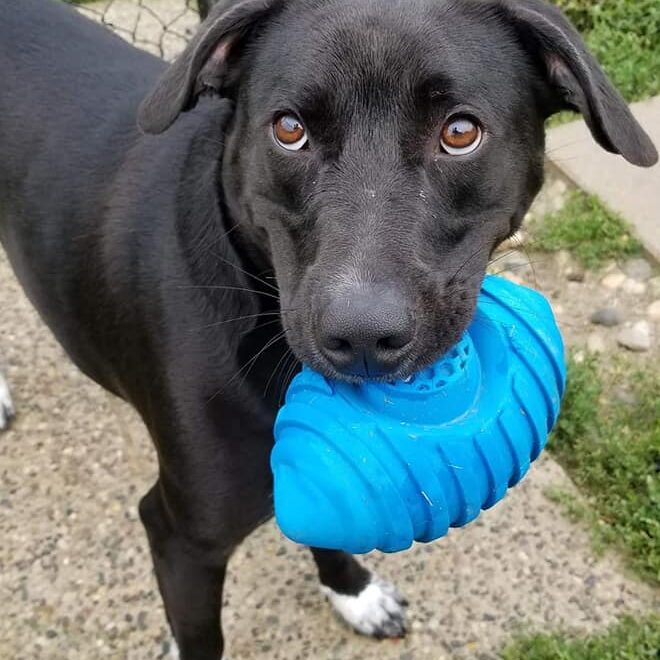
(76, 580)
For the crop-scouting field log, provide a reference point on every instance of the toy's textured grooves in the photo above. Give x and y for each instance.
(378, 466)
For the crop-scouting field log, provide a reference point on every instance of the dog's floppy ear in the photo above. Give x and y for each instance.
(576, 80)
(203, 64)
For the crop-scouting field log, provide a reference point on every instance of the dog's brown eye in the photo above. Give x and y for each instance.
(461, 135)
(289, 132)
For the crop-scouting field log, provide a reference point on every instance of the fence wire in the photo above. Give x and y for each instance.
(162, 27)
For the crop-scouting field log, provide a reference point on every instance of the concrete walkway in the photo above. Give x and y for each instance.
(632, 191)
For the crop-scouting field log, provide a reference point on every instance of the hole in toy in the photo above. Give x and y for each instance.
(446, 369)
(441, 383)
(423, 388)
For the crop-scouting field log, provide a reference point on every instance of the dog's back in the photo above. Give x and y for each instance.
(68, 101)
(63, 75)
(69, 93)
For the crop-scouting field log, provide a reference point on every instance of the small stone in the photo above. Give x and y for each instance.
(564, 259)
(607, 316)
(625, 396)
(654, 286)
(610, 267)
(575, 274)
(654, 311)
(638, 269)
(511, 277)
(596, 343)
(634, 287)
(636, 338)
(614, 280)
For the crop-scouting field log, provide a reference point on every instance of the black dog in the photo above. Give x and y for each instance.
(368, 154)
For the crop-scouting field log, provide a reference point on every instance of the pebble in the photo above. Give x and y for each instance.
(596, 343)
(634, 287)
(607, 316)
(613, 281)
(512, 278)
(654, 286)
(654, 311)
(638, 269)
(564, 259)
(624, 395)
(575, 274)
(636, 338)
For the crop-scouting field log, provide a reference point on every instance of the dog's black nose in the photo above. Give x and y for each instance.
(366, 331)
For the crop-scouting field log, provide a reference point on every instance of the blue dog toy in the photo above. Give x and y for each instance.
(360, 467)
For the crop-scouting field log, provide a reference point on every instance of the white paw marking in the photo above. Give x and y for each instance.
(174, 650)
(378, 610)
(6, 406)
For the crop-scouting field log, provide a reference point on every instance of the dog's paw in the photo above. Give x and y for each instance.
(170, 650)
(6, 406)
(378, 610)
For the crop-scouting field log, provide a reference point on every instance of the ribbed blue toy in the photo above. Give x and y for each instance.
(378, 465)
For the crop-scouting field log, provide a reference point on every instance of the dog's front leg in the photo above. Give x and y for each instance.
(210, 495)
(190, 578)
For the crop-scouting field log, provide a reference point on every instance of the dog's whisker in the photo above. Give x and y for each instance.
(216, 324)
(290, 371)
(275, 369)
(501, 256)
(515, 267)
(259, 326)
(255, 357)
(245, 272)
(466, 262)
(221, 287)
(247, 365)
(566, 145)
(288, 355)
(253, 361)
(532, 263)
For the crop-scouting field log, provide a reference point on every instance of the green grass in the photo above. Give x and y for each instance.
(624, 35)
(612, 452)
(630, 639)
(588, 229)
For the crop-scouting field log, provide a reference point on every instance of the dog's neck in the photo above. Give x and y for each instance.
(223, 260)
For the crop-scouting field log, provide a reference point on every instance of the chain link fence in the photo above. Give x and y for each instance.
(162, 27)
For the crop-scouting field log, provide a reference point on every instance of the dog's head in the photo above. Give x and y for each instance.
(381, 149)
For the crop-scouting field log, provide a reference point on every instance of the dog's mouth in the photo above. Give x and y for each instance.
(362, 351)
